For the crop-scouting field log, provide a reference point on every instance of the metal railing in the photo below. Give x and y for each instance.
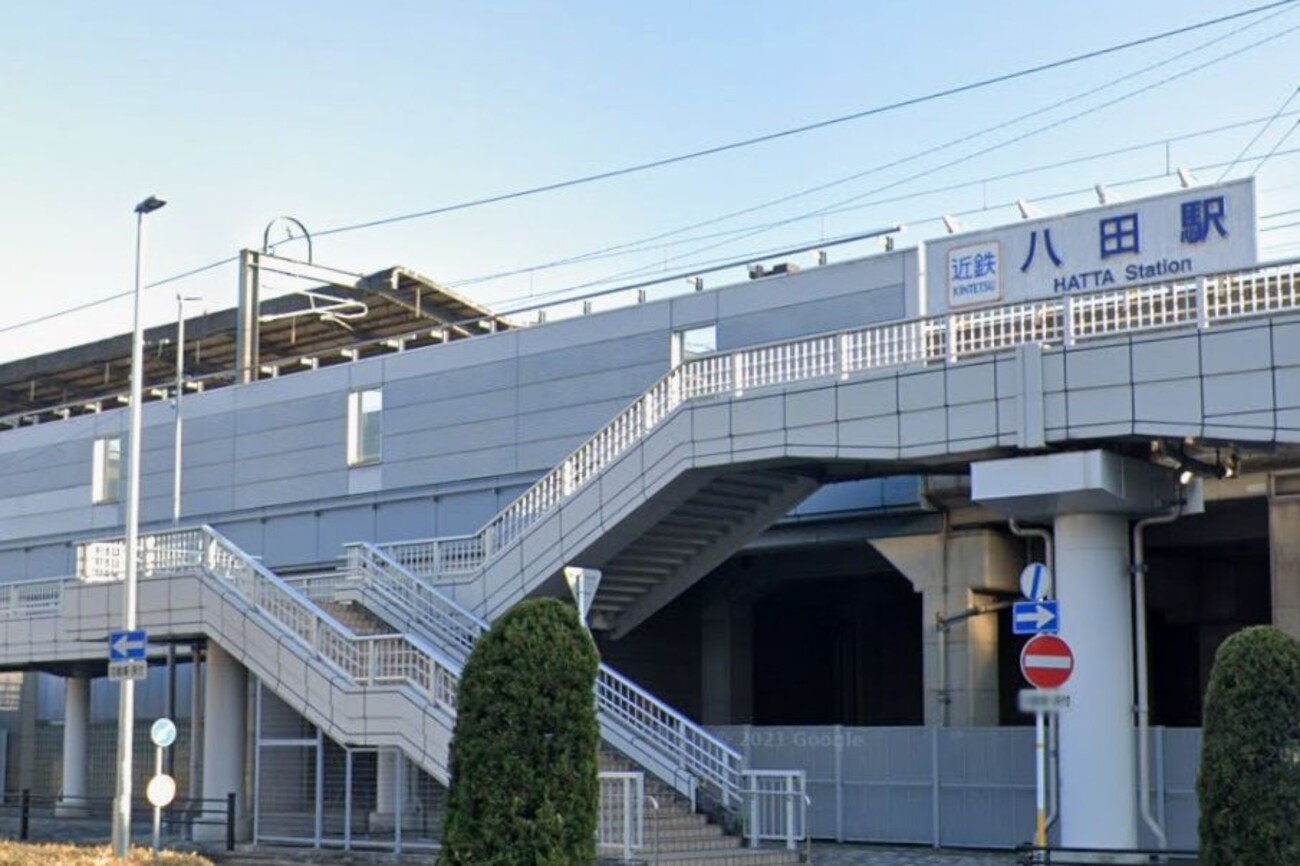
(776, 807)
(1066, 320)
(31, 598)
(698, 760)
(366, 659)
(620, 817)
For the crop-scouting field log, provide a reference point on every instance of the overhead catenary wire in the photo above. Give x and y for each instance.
(808, 127)
(641, 242)
(700, 153)
(1274, 150)
(1281, 108)
(635, 272)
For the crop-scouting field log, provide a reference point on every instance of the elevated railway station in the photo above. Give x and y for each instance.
(809, 496)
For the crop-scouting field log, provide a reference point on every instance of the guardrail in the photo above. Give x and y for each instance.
(620, 817)
(1064, 320)
(366, 659)
(776, 807)
(699, 759)
(31, 598)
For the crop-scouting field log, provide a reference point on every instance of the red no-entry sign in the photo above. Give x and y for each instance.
(1047, 662)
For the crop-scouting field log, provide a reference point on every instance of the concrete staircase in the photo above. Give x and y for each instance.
(676, 834)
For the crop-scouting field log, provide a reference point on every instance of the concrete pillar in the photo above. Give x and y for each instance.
(954, 573)
(1098, 750)
(76, 747)
(225, 698)
(726, 664)
(28, 707)
(1091, 496)
(1284, 550)
(386, 784)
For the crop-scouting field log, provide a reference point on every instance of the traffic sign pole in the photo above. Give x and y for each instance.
(1040, 781)
(157, 810)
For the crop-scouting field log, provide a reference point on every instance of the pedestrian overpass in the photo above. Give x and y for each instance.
(705, 460)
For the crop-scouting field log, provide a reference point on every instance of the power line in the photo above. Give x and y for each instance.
(1281, 108)
(704, 152)
(799, 130)
(757, 255)
(981, 152)
(1280, 142)
(634, 246)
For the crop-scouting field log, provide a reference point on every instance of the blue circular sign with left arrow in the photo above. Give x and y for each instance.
(163, 733)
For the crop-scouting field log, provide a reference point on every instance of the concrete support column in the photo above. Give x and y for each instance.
(1284, 550)
(386, 783)
(76, 747)
(954, 573)
(726, 674)
(1098, 749)
(225, 698)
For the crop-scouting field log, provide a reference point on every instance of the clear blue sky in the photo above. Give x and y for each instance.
(340, 112)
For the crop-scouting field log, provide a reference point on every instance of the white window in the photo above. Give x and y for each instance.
(106, 486)
(365, 432)
(691, 343)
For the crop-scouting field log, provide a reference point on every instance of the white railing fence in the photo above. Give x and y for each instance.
(776, 807)
(1063, 320)
(620, 818)
(377, 659)
(31, 598)
(697, 759)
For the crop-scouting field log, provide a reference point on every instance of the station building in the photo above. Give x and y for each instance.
(810, 496)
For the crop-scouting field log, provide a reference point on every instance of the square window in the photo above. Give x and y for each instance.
(691, 343)
(365, 428)
(106, 485)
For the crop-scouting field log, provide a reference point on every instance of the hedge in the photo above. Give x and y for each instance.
(1249, 783)
(524, 786)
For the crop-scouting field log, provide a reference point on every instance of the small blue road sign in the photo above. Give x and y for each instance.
(1036, 617)
(126, 646)
(163, 733)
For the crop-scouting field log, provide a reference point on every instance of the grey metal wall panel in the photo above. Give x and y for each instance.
(290, 538)
(503, 404)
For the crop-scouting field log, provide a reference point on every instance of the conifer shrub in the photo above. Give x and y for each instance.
(1249, 783)
(524, 786)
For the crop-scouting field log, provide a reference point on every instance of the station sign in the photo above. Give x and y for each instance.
(1174, 236)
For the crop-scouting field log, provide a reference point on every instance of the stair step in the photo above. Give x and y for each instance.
(734, 857)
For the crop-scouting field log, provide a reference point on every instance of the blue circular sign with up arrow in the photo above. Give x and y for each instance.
(163, 733)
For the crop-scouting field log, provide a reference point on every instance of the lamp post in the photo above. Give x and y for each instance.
(126, 702)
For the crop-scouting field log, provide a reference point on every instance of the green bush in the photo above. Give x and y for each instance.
(1249, 784)
(524, 786)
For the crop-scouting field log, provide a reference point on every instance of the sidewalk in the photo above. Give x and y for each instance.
(829, 854)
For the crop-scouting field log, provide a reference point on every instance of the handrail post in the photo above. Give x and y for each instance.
(752, 794)
(738, 373)
(789, 812)
(25, 814)
(1067, 321)
(627, 817)
(1202, 303)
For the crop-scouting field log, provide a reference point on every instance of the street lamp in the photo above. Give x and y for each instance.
(126, 702)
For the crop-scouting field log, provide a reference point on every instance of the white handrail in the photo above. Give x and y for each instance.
(700, 759)
(1066, 319)
(365, 659)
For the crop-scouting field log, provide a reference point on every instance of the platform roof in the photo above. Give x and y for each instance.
(386, 311)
